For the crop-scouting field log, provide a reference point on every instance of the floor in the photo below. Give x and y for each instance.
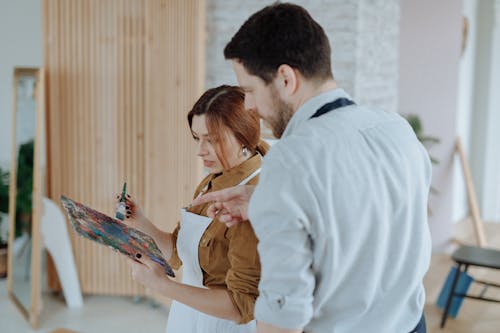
(474, 316)
(99, 314)
(122, 314)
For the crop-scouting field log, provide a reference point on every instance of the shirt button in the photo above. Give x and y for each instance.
(280, 302)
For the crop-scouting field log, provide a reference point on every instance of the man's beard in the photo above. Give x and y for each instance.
(283, 112)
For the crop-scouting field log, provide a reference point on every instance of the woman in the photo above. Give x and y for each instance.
(221, 267)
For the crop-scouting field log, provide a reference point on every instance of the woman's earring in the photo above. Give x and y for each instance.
(245, 151)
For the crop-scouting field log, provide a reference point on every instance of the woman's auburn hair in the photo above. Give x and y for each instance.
(224, 110)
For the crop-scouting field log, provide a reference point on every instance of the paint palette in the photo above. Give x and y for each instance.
(111, 232)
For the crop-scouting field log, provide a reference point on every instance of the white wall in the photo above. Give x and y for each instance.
(465, 106)
(21, 46)
(430, 44)
(485, 119)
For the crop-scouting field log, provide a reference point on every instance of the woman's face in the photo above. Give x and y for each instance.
(206, 146)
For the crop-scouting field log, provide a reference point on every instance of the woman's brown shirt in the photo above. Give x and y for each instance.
(228, 256)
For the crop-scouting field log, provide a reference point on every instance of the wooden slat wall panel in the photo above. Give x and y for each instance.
(121, 77)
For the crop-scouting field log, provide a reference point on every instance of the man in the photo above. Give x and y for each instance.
(340, 210)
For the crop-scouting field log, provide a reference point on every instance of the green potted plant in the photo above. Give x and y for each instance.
(24, 188)
(427, 141)
(4, 221)
(23, 200)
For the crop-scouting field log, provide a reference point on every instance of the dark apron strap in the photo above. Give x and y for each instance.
(336, 104)
(420, 328)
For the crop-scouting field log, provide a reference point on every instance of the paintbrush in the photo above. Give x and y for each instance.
(121, 209)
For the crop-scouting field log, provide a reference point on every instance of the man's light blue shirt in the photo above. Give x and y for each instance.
(341, 217)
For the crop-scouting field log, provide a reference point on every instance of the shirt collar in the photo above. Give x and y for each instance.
(311, 106)
(236, 174)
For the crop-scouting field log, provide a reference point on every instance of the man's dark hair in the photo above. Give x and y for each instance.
(280, 34)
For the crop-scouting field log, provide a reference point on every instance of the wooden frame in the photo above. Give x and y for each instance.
(32, 313)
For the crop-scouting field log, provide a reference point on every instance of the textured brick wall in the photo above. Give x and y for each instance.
(377, 58)
(363, 34)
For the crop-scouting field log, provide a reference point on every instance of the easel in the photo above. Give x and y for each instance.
(467, 256)
(471, 198)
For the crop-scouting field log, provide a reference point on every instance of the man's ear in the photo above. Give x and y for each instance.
(287, 80)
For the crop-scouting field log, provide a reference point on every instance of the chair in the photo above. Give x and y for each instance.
(464, 257)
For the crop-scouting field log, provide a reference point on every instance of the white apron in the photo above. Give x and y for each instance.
(182, 318)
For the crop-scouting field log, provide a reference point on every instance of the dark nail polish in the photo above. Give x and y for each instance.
(127, 207)
(138, 255)
(128, 195)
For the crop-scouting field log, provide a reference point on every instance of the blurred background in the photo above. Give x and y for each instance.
(106, 98)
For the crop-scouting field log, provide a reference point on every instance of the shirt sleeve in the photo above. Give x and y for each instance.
(279, 215)
(174, 261)
(243, 276)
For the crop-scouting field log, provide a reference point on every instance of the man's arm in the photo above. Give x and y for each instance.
(281, 213)
(281, 223)
(230, 205)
